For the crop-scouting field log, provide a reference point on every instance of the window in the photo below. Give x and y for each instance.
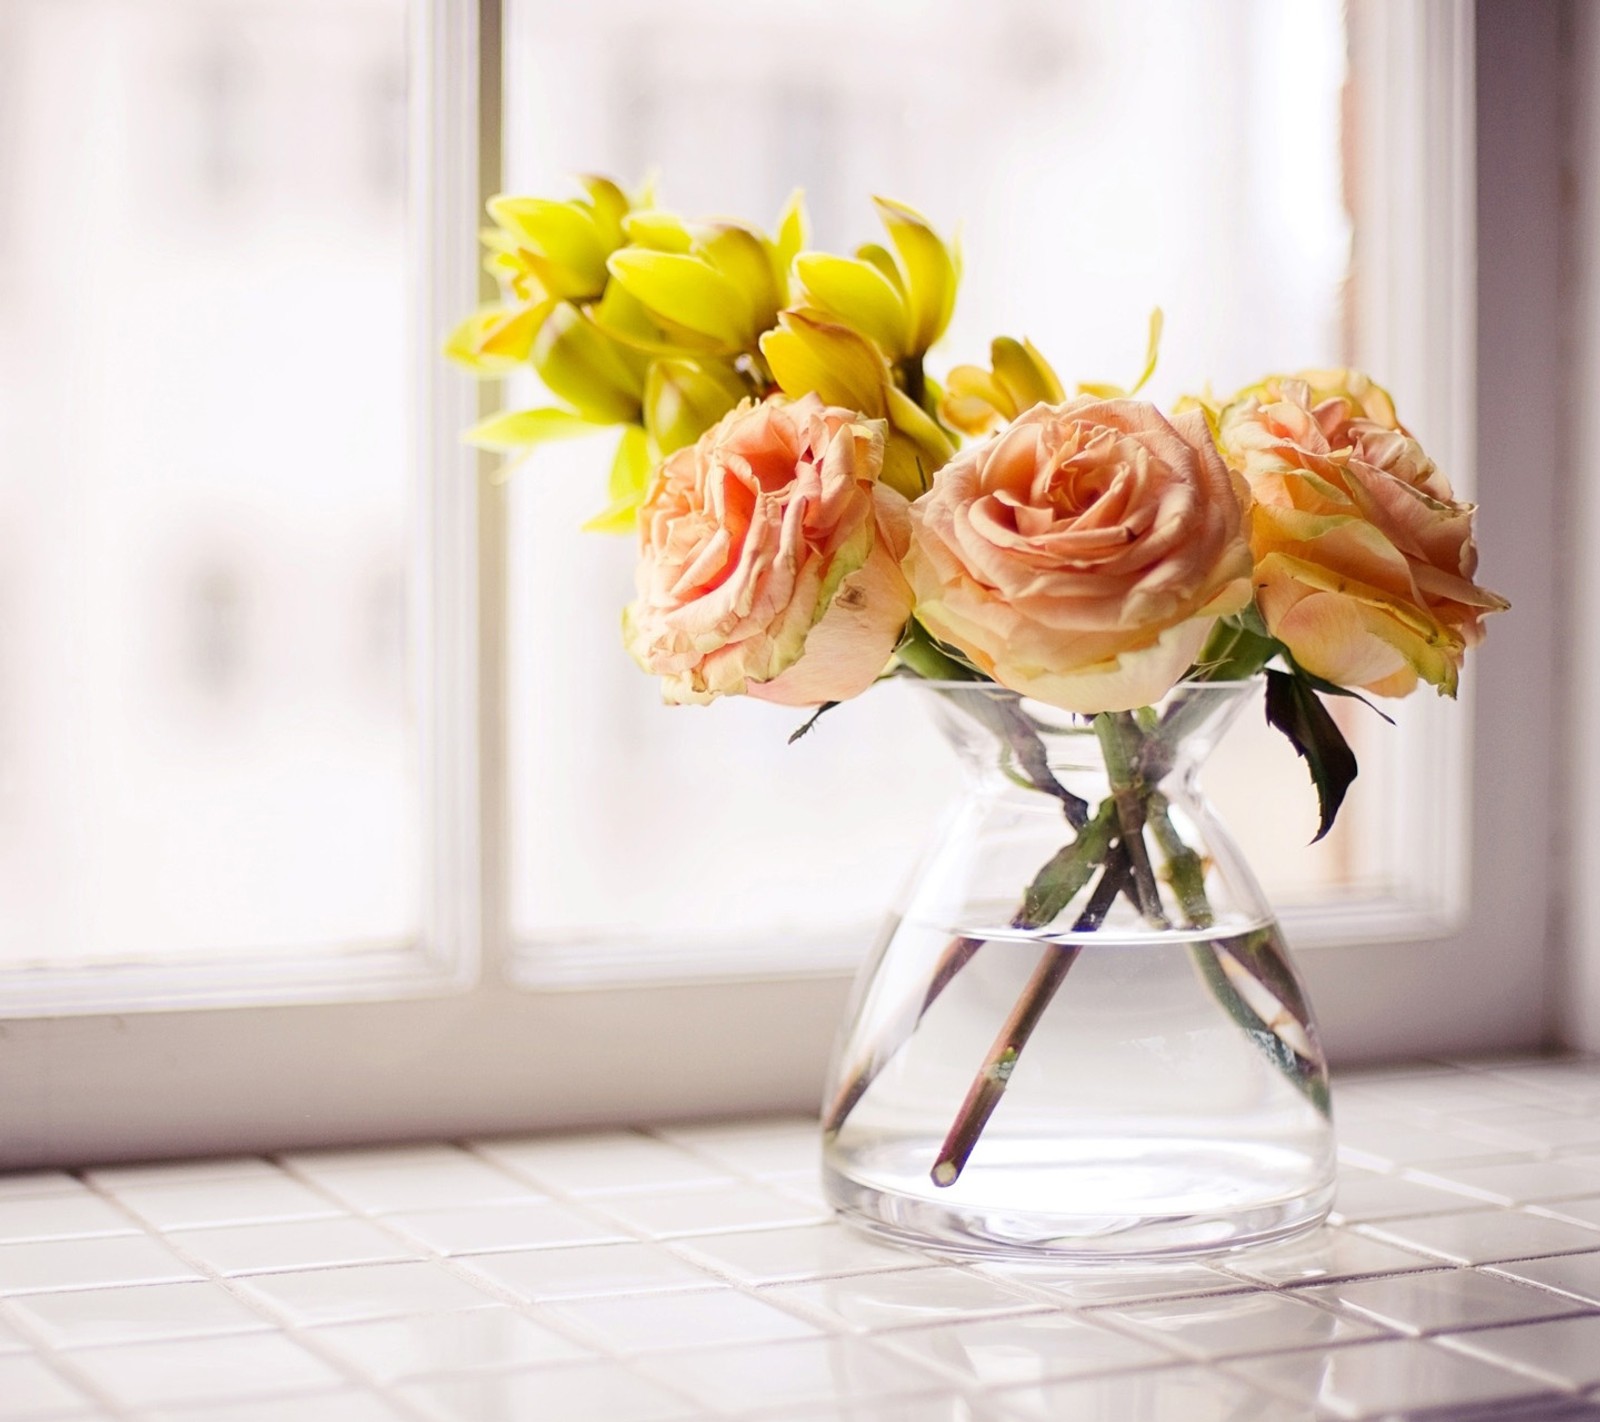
(288, 723)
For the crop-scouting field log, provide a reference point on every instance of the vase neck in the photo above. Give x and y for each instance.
(1003, 738)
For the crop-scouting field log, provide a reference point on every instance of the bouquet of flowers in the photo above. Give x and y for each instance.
(815, 512)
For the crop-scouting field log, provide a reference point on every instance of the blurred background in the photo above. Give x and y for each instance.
(209, 681)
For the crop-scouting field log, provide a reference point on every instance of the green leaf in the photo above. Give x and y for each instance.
(1294, 708)
(1330, 688)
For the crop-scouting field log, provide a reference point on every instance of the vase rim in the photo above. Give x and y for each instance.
(989, 687)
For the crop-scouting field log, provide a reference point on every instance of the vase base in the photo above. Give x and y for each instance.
(997, 1232)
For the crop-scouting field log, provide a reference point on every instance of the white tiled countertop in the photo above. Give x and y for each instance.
(694, 1272)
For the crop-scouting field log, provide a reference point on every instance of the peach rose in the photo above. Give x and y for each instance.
(769, 559)
(1083, 554)
(1364, 560)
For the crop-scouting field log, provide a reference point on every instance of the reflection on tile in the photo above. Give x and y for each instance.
(1089, 1284)
(198, 1369)
(902, 1299)
(705, 1319)
(1517, 1183)
(1449, 1299)
(60, 1217)
(601, 1163)
(586, 1272)
(1585, 1212)
(1566, 1351)
(86, 1263)
(1574, 1274)
(30, 1389)
(483, 1229)
(363, 1291)
(87, 1317)
(1159, 1395)
(392, 1349)
(1407, 1143)
(1229, 1325)
(1486, 1238)
(804, 1252)
(222, 1202)
(1324, 1254)
(1372, 1379)
(583, 1392)
(290, 1244)
(996, 1352)
(774, 1375)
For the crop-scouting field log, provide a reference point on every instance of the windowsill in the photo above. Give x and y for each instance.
(688, 1272)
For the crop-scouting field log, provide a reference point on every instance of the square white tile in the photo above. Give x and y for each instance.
(363, 1291)
(291, 1244)
(709, 1318)
(1188, 1394)
(1565, 1352)
(1519, 1182)
(238, 1366)
(30, 1218)
(136, 1313)
(714, 1210)
(33, 1391)
(600, 1163)
(588, 1271)
(815, 1371)
(581, 1392)
(457, 1181)
(803, 1252)
(246, 1200)
(439, 1344)
(343, 1406)
(88, 1263)
(484, 1229)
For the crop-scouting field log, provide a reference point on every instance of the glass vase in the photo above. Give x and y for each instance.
(1081, 1035)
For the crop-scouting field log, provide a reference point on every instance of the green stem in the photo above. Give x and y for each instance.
(1128, 794)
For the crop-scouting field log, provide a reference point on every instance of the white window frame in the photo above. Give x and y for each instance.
(447, 1037)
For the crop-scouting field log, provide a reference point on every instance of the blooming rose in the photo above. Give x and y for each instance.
(1082, 555)
(1364, 560)
(769, 559)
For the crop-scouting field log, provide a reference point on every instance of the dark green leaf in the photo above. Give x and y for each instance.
(1062, 879)
(1294, 707)
(1329, 688)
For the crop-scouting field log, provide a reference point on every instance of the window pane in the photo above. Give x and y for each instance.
(1099, 159)
(206, 726)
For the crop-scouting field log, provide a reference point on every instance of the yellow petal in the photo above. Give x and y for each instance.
(626, 486)
(494, 339)
(658, 231)
(687, 293)
(858, 294)
(930, 271)
(807, 353)
(794, 231)
(1152, 351)
(683, 399)
(521, 429)
(581, 364)
(610, 206)
(748, 260)
(883, 263)
(564, 235)
(1025, 375)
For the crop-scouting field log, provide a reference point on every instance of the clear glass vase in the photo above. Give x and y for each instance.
(1081, 1036)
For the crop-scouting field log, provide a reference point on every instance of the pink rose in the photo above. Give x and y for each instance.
(1083, 554)
(769, 559)
(1364, 559)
